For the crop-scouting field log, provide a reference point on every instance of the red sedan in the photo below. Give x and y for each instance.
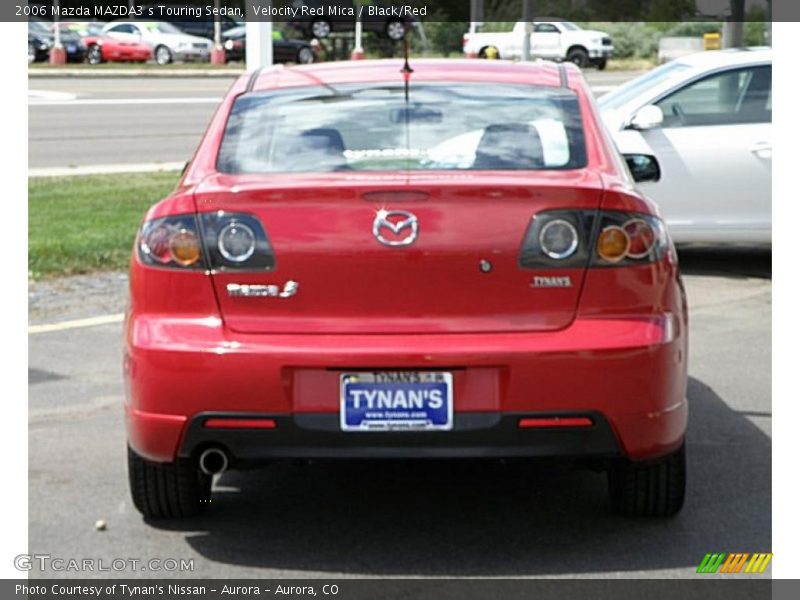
(371, 260)
(103, 48)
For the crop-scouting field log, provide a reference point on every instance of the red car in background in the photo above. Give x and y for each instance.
(371, 260)
(103, 48)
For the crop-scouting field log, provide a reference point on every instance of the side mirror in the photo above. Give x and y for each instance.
(647, 117)
(643, 167)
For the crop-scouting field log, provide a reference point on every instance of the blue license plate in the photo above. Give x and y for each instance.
(396, 401)
(71, 48)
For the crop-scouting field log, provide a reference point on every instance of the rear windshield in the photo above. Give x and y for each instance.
(376, 127)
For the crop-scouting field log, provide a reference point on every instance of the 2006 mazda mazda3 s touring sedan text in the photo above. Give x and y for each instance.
(371, 260)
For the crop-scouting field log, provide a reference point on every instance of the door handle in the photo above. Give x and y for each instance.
(762, 150)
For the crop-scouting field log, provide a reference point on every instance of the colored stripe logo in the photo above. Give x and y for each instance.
(734, 563)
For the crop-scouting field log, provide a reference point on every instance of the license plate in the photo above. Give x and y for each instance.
(396, 401)
(71, 48)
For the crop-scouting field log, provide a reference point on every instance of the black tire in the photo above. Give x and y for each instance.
(489, 50)
(601, 64)
(395, 30)
(320, 29)
(578, 56)
(167, 491)
(305, 56)
(651, 489)
(94, 55)
(162, 55)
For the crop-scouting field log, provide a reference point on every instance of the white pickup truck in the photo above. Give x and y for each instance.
(554, 40)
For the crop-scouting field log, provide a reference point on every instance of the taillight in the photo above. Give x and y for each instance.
(558, 239)
(236, 241)
(218, 241)
(629, 239)
(171, 242)
(565, 239)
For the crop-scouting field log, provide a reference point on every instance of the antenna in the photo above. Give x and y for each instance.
(406, 70)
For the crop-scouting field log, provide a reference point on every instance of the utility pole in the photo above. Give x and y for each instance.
(527, 18)
(57, 54)
(259, 41)
(475, 15)
(733, 28)
(218, 53)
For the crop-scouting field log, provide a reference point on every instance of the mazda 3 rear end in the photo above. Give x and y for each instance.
(371, 261)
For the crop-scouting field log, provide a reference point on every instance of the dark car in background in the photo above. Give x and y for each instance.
(321, 27)
(283, 50)
(41, 40)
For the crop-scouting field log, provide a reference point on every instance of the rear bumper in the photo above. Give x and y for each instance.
(474, 435)
(628, 374)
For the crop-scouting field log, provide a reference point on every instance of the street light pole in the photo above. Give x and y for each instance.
(527, 18)
(218, 53)
(259, 44)
(57, 54)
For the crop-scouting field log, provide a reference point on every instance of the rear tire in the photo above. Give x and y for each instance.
(490, 52)
(305, 56)
(167, 491)
(162, 55)
(652, 489)
(94, 56)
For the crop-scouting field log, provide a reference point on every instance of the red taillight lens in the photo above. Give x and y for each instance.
(171, 242)
(642, 238)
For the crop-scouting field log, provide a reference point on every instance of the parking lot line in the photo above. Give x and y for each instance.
(76, 323)
(105, 169)
(34, 101)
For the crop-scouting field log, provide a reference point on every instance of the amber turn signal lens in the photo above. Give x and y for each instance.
(613, 244)
(185, 248)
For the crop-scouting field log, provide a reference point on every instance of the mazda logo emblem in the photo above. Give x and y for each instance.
(395, 227)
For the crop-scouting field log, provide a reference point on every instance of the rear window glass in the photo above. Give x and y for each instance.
(375, 127)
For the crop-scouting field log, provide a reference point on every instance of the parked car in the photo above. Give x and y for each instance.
(322, 25)
(41, 40)
(554, 40)
(283, 50)
(348, 270)
(105, 48)
(708, 120)
(168, 42)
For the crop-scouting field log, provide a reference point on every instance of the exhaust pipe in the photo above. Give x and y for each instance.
(213, 461)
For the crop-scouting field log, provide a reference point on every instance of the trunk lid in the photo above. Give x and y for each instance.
(321, 228)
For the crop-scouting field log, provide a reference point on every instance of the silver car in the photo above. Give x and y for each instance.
(707, 118)
(169, 43)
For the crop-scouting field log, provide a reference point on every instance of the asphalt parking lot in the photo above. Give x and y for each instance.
(406, 518)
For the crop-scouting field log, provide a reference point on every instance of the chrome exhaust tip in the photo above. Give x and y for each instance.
(213, 461)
